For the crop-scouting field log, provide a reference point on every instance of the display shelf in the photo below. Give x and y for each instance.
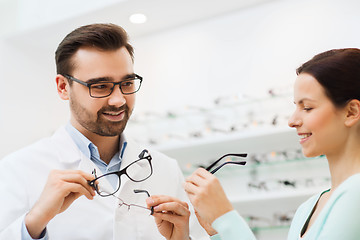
(201, 151)
(276, 196)
(276, 178)
(235, 170)
(196, 126)
(225, 103)
(275, 181)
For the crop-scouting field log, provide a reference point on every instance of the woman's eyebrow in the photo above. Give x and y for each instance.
(301, 101)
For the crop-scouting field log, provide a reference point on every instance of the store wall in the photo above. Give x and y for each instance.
(248, 52)
(29, 106)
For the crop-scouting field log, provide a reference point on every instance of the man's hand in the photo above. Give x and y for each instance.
(171, 216)
(62, 188)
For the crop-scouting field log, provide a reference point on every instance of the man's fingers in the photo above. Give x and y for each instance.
(159, 199)
(77, 188)
(173, 208)
(60, 178)
(78, 179)
(172, 218)
(88, 176)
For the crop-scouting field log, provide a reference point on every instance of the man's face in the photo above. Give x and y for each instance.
(101, 116)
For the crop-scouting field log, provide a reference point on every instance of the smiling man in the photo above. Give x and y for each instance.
(46, 186)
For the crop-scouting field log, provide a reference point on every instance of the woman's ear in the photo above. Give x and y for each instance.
(62, 85)
(352, 113)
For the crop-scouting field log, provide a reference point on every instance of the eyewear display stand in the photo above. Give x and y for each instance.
(276, 179)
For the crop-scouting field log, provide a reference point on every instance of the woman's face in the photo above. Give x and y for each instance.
(318, 123)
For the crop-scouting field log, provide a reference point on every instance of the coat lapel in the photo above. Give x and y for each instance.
(131, 154)
(69, 154)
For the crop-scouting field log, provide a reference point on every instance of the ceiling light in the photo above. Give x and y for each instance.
(137, 18)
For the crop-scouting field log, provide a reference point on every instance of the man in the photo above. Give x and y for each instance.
(45, 186)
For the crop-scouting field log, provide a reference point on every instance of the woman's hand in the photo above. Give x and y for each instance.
(171, 216)
(208, 198)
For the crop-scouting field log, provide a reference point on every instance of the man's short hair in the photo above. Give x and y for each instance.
(106, 37)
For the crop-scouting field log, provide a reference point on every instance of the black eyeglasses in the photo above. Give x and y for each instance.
(227, 162)
(104, 89)
(137, 171)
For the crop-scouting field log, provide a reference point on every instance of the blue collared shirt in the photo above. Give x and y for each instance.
(92, 152)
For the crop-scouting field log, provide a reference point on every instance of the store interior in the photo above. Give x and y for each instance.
(218, 78)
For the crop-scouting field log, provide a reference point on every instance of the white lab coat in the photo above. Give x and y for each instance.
(23, 175)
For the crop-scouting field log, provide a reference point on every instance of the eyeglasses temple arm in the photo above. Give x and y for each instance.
(229, 154)
(147, 193)
(238, 163)
(142, 154)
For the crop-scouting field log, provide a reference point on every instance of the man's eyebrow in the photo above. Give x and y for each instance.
(100, 79)
(126, 77)
(108, 79)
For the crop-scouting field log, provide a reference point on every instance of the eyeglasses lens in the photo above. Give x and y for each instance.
(139, 170)
(103, 89)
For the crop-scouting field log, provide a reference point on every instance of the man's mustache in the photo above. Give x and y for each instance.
(114, 109)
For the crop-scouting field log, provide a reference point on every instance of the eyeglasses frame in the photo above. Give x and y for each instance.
(122, 172)
(88, 85)
(122, 203)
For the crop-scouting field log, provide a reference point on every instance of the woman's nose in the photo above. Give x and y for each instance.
(294, 121)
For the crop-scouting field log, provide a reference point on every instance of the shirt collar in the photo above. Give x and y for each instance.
(86, 146)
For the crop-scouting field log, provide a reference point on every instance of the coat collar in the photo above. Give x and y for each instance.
(66, 149)
(68, 153)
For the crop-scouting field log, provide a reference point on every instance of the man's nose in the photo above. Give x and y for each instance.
(117, 98)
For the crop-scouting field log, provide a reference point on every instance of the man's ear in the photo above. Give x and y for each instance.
(63, 87)
(353, 113)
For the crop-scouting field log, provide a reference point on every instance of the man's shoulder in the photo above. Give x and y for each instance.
(42, 146)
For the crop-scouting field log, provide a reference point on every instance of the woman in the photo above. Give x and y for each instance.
(327, 120)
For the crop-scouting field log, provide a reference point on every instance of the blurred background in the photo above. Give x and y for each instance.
(189, 52)
(218, 78)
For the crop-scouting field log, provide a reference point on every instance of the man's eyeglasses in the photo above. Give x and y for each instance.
(136, 171)
(227, 162)
(104, 89)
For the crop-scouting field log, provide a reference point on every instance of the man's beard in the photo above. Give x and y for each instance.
(100, 125)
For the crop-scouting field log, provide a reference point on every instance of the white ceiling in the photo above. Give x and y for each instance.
(34, 18)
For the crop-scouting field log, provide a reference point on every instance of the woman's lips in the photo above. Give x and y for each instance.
(304, 137)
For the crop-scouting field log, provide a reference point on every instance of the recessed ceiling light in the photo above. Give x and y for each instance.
(137, 18)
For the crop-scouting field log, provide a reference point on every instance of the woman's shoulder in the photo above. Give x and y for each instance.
(349, 188)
